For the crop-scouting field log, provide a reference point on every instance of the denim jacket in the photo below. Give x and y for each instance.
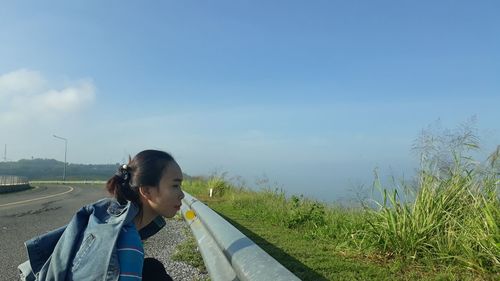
(85, 248)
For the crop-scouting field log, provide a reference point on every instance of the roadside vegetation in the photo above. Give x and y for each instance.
(188, 252)
(443, 225)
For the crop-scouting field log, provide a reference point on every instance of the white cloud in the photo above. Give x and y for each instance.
(20, 82)
(25, 96)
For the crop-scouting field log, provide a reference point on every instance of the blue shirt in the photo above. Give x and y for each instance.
(130, 253)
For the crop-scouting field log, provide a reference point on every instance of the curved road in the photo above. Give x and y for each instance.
(32, 212)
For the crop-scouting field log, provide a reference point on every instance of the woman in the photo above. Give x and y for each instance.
(103, 239)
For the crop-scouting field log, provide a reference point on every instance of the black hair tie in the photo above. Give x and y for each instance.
(124, 180)
(123, 173)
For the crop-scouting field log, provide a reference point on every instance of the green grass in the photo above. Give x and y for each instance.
(305, 257)
(187, 252)
(449, 231)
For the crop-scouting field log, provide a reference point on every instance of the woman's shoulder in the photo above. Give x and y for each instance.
(105, 208)
(106, 201)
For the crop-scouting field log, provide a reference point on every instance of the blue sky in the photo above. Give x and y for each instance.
(311, 94)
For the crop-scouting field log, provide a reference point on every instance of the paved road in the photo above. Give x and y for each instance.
(28, 213)
(23, 215)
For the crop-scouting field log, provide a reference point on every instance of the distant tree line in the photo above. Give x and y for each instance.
(50, 169)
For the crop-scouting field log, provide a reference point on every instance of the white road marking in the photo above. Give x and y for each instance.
(39, 198)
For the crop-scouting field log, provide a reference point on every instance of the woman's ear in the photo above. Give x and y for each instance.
(145, 192)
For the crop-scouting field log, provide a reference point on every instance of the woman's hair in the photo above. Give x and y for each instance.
(145, 169)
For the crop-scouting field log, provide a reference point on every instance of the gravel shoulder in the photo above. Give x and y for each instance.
(162, 246)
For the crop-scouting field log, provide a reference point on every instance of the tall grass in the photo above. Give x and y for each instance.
(454, 217)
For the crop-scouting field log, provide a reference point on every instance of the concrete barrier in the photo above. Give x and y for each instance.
(14, 187)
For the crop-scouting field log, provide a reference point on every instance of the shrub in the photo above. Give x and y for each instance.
(302, 212)
(219, 185)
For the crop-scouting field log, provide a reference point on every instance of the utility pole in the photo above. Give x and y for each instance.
(65, 151)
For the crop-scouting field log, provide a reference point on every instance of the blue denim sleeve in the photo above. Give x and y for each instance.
(41, 247)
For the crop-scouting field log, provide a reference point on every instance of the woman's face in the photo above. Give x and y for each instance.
(166, 199)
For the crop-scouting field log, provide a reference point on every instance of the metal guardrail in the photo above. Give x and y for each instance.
(228, 254)
(12, 180)
(13, 183)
